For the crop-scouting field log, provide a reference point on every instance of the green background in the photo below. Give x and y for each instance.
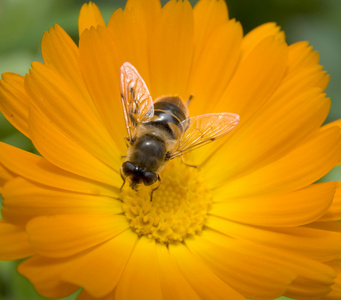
(23, 22)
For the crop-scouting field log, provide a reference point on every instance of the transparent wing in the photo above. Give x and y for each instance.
(204, 129)
(136, 100)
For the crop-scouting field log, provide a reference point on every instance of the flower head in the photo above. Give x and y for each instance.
(249, 222)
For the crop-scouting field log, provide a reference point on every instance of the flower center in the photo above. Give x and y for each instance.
(178, 208)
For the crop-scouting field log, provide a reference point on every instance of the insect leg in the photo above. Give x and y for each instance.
(188, 165)
(151, 194)
(123, 178)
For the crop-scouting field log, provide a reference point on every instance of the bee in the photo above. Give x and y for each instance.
(161, 130)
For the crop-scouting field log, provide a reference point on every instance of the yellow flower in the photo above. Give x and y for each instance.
(249, 222)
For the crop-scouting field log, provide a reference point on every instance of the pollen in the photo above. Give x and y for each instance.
(178, 208)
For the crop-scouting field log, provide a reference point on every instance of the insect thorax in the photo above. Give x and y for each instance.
(169, 112)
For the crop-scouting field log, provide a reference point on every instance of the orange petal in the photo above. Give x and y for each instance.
(63, 152)
(142, 270)
(316, 275)
(214, 34)
(300, 289)
(256, 78)
(337, 124)
(100, 270)
(14, 102)
(5, 176)
(208, 15)
(61, 53)
(146, 10)
(301, 55)
(38, 169)
(174, 285)
(299, 168)
(14, 242)
(101, 70)
(207, 284)
(258, 143)
(334, 211)
(255, 36)
(212, 71)
(89, 16)
(171, 49)
(44, 274)
(261, 279)
(321, 245)
(24, 200)
(54, 94)
(65, 235)
(86, 296)
(279, 210)
(131, 27)
(335, 292)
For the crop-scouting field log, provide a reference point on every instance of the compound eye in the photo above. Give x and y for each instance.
(149, 178)
(128, 168)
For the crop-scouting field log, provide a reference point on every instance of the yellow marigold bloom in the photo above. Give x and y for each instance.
(249, 222)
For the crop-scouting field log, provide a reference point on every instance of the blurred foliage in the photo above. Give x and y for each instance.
(23, 22)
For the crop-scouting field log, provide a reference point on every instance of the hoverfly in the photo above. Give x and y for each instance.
(161, 130)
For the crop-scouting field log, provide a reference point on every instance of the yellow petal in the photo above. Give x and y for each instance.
(299, 168)
(89, 16)
(14, 242)
(207, 284)
(100, 270)
(279, 210)
(65, 235)
(44, 274)
(38, 169)
(321, 245)
(173, 283)
(142, 270)
(24, 200)
(101, 69)
(62, 151)
(262, 279)
(63, 105)
(170, 50)
(14, 102)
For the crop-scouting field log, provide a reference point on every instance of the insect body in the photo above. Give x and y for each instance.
(161, 130)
